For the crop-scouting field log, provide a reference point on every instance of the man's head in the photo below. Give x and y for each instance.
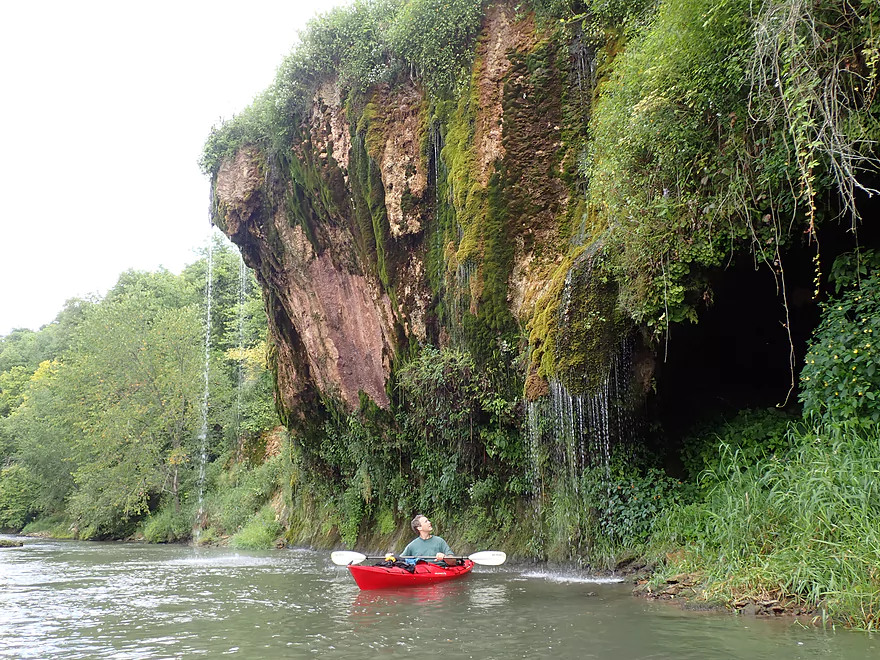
(421, 525)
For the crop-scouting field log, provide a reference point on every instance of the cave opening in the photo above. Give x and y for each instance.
(737, 355)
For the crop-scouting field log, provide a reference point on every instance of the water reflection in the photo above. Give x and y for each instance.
(485, 596)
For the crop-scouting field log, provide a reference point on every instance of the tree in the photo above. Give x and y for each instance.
(136, 372)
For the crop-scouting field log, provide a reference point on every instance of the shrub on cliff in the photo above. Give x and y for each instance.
(359, 46)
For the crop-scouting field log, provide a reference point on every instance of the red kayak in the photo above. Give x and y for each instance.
(391, 577)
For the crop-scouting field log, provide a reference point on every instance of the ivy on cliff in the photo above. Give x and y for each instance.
(840, 380)
(686, 162)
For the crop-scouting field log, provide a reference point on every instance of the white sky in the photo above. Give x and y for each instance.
(104, 108)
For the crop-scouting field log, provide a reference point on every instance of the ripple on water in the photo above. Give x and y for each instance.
(563, 578)
(223, 561)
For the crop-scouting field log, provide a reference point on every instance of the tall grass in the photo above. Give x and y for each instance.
(260, 532)
(803, 526)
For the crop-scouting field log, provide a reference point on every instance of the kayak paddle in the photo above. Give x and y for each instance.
(484, 558)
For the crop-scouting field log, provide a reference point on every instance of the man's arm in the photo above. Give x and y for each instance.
(444, 549)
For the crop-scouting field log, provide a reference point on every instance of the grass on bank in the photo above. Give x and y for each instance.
(56, 527)
(802, 526)
(261, 531)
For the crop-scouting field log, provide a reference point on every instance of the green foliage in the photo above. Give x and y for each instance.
(455, 414)
(241, 382)
(687, 165)
(436, 37)
(12, 386)
(840, 379)
(442, 391)
(107, 427)
(654, 159)
(239, 490)
(167, 525)
(632, 504)
(603, 511)
(43, 438)
(814, 72)
(27, 349)
(136, 371)
(18, 493)
(352, 509)
(755, 434)
(55, 526)
(800, 525)
(452, 427)
(850, 268)
(252, 126)
(385, 522)
(260, 532)
(352, 42)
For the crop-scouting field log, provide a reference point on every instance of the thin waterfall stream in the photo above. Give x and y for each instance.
(203, 430)
(242, 295)
(586, 411)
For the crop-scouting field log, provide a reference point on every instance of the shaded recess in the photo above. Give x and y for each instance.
(737, 356)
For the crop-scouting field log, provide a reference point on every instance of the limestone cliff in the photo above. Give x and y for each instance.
(341, 227)
(547, 189)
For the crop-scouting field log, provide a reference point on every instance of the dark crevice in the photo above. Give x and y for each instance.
(737, 356)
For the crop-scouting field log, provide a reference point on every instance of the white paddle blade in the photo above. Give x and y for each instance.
(346, 557)
(488, 558)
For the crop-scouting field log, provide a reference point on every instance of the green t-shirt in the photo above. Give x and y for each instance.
(429, 547)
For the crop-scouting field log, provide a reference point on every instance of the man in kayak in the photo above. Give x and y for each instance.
(426, 545)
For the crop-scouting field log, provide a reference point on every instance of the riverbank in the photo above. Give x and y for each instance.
(690, 591)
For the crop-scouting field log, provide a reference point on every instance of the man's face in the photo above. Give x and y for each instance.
(425, 525)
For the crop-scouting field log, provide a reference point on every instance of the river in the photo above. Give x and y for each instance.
(69, 599)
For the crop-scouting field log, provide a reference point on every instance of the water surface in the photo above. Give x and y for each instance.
(67, 599)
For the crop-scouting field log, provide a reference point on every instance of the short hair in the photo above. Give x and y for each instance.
(416, 522)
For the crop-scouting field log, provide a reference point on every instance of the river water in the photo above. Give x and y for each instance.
(67, 599)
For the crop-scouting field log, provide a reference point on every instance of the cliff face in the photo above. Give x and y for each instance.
(486, 232)
(549, 196)
(390, 213)
(330, 320)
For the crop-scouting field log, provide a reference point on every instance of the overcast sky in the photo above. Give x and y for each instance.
(104, 108)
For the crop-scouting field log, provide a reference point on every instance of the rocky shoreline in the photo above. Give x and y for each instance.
(688, 592)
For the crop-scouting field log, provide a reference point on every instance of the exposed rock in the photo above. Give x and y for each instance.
(329, 126)
(503, 34)
(686, 590)
(404, 170)
(10, 543)
(237, 188)
(335, 227)
(343, 321)
(332, 324)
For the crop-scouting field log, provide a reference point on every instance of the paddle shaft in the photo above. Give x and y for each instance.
(485, 558)
(419, 557)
